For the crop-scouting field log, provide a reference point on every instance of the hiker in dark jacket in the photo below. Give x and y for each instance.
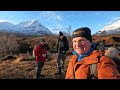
(62, 48)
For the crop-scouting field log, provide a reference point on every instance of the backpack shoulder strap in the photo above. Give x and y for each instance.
(93, 70)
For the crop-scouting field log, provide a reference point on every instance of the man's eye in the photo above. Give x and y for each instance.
(81, 41)
(74, 41)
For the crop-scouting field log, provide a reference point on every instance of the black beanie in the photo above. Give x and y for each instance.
(82, 32)
(60, 33)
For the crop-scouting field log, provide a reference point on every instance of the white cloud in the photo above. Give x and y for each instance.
(54, 19)
(50, 15)
(54, 30)
(6, 21)
(57, 28)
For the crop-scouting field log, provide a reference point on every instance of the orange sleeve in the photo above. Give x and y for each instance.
(69, 70)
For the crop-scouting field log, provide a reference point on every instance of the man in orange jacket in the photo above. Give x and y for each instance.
(84, 55)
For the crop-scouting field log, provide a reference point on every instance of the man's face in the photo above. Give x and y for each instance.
(61, 37)
(42, 42)
(81, 45)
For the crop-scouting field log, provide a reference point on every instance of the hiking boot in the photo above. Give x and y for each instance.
(58, 70)
(62, 67)
(37, 75)
(42, 75)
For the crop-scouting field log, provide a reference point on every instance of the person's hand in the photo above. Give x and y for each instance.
(56, 54)
(43, 55)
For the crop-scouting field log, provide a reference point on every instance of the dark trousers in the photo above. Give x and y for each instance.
(39, 66)
(61, 57)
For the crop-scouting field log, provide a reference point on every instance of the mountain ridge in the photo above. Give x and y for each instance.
(27, 28)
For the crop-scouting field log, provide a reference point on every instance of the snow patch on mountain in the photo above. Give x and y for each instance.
(110, 29)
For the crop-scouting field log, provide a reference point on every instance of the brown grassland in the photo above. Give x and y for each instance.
(21, 68)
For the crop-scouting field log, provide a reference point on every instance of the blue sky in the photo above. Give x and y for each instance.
(61, 20)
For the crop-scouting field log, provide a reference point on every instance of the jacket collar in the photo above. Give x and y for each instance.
(90, 59)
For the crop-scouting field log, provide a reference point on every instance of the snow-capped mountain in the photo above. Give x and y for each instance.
(29, 28)
(110, 29)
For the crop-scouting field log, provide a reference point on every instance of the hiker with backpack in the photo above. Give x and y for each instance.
(86, 62)
(40, 52)
(62, 48)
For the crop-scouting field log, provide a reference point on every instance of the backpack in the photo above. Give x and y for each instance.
(33, 52)
(93, 70)
(65, 44)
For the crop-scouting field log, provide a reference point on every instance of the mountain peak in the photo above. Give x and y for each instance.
(32, 23)
(34, 20)
(113, 28)
(32, 28)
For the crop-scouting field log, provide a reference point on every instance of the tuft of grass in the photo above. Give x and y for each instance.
(30, 58)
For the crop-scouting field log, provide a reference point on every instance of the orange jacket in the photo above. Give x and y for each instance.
(106, 67)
